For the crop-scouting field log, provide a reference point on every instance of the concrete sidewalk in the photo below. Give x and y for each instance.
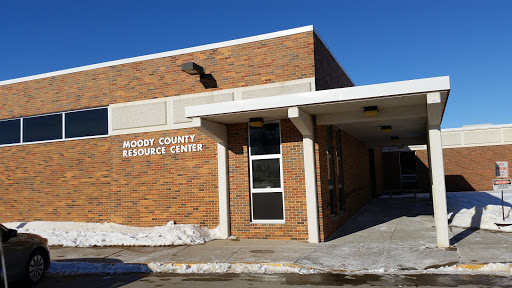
(387, 234)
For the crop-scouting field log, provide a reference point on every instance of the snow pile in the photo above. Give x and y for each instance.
(479, 210)
(483, 218)
(70, 268)
(490, 268)
(496, 267)
(78, 234)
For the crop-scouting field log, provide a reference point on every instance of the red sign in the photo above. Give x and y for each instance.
(502, 169)
(501, 184)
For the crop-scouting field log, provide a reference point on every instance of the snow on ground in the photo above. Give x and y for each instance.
(79, 234)
(479, 210)
(73, 268)
(490, 268)
(69, 268)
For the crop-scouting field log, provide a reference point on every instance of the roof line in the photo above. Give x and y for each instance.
(476, 127)
(163, 54)
(333, 56)
(354, 93)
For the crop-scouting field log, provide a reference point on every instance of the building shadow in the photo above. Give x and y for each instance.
(90, 272)
(382, 211)
(457, 183)
(208, 81)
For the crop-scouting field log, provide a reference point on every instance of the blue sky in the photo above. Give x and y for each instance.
(375, 41)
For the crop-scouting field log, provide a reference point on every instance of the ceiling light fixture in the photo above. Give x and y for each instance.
(256, 122)
(386, 129)
(371, 111)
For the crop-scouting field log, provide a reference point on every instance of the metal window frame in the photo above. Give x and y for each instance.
(63, 127)
(339, 167)
(266, 190)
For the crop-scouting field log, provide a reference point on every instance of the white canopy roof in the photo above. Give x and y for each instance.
(402, 105)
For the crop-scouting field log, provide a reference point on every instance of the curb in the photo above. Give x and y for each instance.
(480, 267)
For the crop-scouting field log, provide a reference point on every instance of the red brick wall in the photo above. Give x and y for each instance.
(356, 180)
(89, 180)
(268, 61)
(295, 227)
(379, 172)
(329, 74)
(470, 168)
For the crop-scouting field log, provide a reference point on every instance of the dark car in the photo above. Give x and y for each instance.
(26, 256)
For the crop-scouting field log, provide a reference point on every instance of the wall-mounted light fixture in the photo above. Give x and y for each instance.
(256, 122)
(192, 68)
(395, 139)
(371, 111)
(386, 129)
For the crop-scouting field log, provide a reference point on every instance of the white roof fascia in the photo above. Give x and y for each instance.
(325, 96)
(477, 127)
(163, 54)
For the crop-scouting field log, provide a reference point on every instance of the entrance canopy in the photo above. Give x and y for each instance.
(414, 109)
(401, 105)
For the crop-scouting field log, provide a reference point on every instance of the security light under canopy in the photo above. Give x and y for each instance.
(371, 111)
(256, 122)
(386, 129)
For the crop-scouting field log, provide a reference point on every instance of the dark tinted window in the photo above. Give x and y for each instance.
(265, 140)
(10, 131)
(87, 123)
(267, 206)
(42, 128)
(266, 173)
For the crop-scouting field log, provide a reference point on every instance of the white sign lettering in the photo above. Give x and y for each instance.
(144, 147)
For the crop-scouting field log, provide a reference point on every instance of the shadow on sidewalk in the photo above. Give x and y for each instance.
(381, 211)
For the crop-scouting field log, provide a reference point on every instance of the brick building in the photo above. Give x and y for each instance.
(470, 154)
(265, 136)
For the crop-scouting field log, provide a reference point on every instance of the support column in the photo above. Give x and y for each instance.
(218, 132)
(437, 169)
(222, 167)
(304, 124)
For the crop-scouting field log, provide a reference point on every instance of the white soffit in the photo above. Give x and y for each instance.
(310, 100)
(163, 54)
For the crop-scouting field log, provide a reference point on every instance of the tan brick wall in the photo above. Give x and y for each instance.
(468, 168)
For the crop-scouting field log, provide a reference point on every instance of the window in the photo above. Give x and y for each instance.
(41, 128)
(339, 169)
(330, 171)
(266, 177)
(56, 126)
(87, 123)
(10, 131)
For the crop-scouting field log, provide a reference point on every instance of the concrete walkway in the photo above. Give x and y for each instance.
(387, 234)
